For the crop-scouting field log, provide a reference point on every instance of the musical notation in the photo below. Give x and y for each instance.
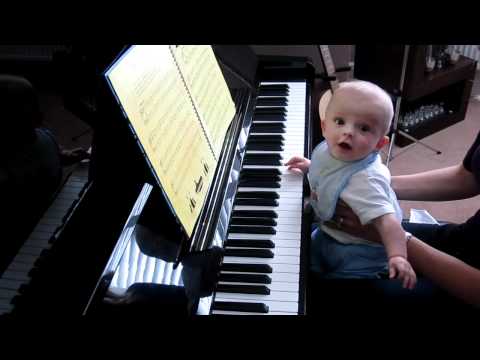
(152, 91)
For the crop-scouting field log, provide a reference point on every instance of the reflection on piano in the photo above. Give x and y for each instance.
(121, 249)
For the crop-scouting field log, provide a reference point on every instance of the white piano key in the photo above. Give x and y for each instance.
(281, 207)
(292, 260)
(285, 277)
(7, 294)
(30, 250)
(277, 250)
(276, 268)
(15, 275)
(10, 284)
(280, 243)
(17, 271)
(221, 312)
(273, 237)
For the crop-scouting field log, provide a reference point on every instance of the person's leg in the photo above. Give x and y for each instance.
(316, 251)
(429, 233)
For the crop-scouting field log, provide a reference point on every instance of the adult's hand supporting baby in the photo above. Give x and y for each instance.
(346, 220)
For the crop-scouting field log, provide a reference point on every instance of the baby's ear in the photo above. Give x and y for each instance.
(323, 103)
(384, 140)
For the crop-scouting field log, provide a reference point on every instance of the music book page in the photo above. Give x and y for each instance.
(208, 88)
(148, 85)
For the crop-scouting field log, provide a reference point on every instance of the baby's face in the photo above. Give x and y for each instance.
(354, 126)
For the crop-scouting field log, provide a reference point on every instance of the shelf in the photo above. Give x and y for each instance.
(429, 127)
(437, 79)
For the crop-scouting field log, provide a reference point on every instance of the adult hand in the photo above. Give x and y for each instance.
(346, 220)
(298, 164)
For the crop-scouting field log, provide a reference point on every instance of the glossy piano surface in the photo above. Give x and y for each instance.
(113, 257)
(147, 270)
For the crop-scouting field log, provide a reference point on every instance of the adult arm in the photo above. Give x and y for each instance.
(448, 272)
(450, 183)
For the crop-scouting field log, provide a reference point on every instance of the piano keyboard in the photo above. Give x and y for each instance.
(260, 273)
(16, 274)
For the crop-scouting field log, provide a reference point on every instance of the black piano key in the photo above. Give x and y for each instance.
(246, 278)
(268, 128)
(260, 184)
(264, 147)
(277, 101)
(252, 221)
(273, 86)
(258, 253)
(270, 111)
(250, 307)
(265, 139)
(255, 213)
(272, 179)
(273, 92)
(262, 161)
(250, 268)
(267, 156)
(260, 172)
(257, 195)
(261, 244)
(269, 117)
(244, 289)
(244, 229)
(255, 202)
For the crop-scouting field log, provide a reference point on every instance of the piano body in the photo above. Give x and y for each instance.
(120, 249)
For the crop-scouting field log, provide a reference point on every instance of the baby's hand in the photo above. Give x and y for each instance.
(400, 268)
(298, 164)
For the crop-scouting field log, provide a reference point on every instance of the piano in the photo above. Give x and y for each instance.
(248, 253)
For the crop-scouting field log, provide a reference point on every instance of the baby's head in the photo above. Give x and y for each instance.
(357, 119)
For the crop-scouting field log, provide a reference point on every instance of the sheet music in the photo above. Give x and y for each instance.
(208, 88)
(153, 95)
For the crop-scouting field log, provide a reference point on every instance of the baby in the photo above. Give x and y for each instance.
(347, 166)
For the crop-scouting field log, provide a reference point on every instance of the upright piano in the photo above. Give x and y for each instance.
(119, 249)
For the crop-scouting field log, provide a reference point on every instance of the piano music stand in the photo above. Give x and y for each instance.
(394, 129)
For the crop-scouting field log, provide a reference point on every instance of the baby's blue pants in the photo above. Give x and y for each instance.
(334, 259)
